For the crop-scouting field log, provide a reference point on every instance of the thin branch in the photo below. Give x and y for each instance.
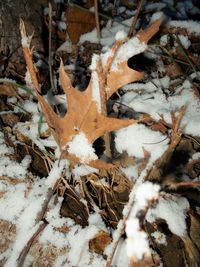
(135, 18)
(97, 19)
(24, 252)
(50, 56)
(100, 14)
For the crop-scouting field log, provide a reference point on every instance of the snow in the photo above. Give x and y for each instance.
(157, 104)
(121, 35)
(164, 40)
(23, 194)
(81, 148)
(18, 170)
(196, 156)
(26, 40)
(137, 242)
(28, 79)
(95, 59)
(139, 137)
(156, 16)
(184, 41)
(66, 46)
(81, 170)
(190, 25)
(173, 210)
(25, 211)
(96, 90)
(132, 48)
(131, 172)
(78, 251)
(56, 172)
(90, 37)
(62, 26)
(159, 237)
(144, 193)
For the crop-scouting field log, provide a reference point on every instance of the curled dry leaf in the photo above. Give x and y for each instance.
(86, 114)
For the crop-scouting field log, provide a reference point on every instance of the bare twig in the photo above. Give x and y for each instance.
(97, 19)
(50, 56)
(135, 18)
(102, 73)
(26, 249)
(104, 16)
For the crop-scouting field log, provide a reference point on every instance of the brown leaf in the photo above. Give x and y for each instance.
(84, 114)
(7, 89)
(78, 22)
(124, 75)
(9, 119)
(98, 243)
(173, 70)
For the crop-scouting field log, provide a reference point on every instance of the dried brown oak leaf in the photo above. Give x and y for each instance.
(85, 119)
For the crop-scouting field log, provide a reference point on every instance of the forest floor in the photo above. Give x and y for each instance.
(115, 182)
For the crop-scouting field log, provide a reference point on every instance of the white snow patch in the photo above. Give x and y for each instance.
(173, 211)
(95, 59)
(164, 40)
(62, 26)
(81, 148)
(156, 16)
(26, 41)
(56, 172)
(121, 35)
(81, 170)
(159, 237)
(137, 242)
(147, 191)
(96, 90)
(134, 138)
(91, 37)
(128, 50)
(66, 46)
(190, 25)
(131, 172)
(28, 79)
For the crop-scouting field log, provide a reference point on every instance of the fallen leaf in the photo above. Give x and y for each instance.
(99, 242)
(7, 89)
(86, 115)
(173, 70)
(78, 22)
